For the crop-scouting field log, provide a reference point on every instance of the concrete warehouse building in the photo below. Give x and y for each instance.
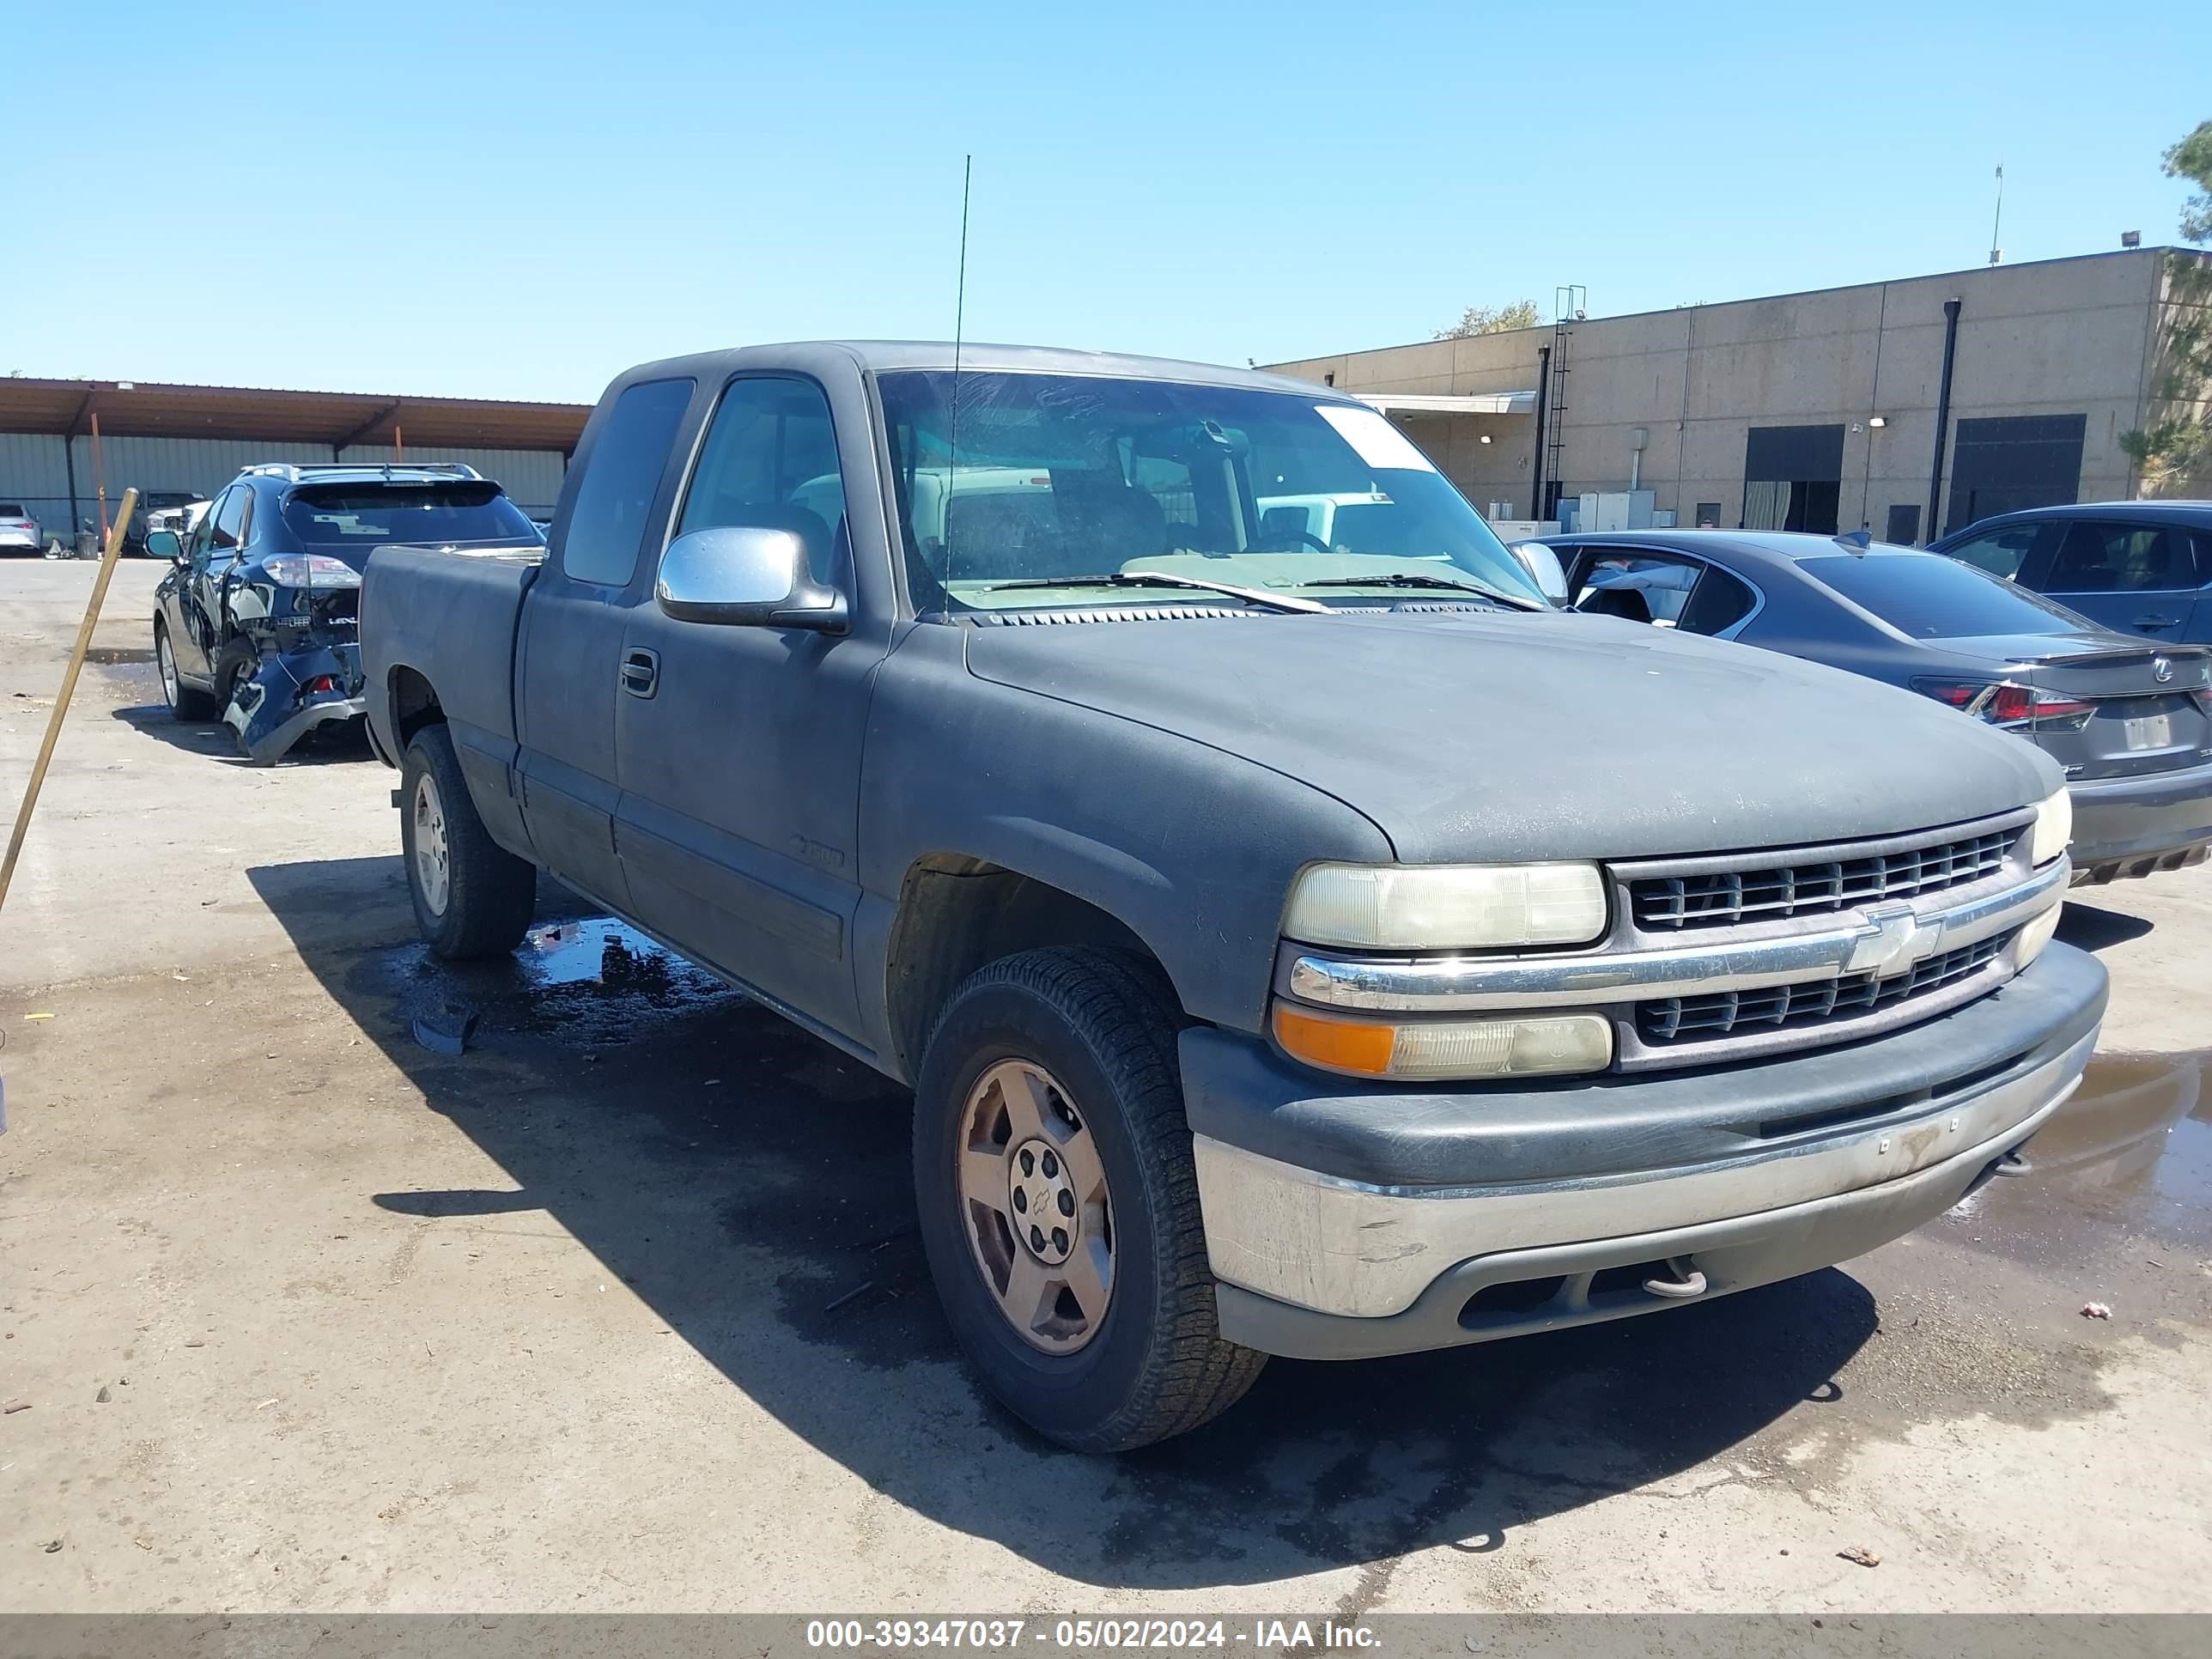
(64, 442)
(1807, 412)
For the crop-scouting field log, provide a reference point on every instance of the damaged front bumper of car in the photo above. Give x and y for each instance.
(293, 694)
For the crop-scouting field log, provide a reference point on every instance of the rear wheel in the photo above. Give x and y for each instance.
(472, 897)
(1058, 1205)
(184, 702)
(238, 661)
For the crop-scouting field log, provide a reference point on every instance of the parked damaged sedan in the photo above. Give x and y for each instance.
(257, 624)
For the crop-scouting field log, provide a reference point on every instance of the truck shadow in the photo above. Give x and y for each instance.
(751, 1185)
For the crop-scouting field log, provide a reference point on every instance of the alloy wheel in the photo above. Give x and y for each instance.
(1035, 1205)
(432, 867)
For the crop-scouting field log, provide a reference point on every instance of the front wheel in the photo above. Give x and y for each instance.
(1058, 1205)
(472, 897)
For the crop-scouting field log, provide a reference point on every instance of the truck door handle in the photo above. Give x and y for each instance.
(2156, 622)
(640, 672)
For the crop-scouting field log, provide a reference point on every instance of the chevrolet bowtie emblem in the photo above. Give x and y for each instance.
(1892, 939)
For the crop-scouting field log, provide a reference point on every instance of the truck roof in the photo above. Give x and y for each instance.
(984, 356)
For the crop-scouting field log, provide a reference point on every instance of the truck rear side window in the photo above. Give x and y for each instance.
(607, 523)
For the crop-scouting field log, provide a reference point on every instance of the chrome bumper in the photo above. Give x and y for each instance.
(1855, 941)
(1344, 1248)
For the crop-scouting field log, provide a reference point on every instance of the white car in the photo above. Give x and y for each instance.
(19, 531)
(179, 521)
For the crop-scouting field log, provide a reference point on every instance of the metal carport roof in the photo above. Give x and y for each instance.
(142, 409)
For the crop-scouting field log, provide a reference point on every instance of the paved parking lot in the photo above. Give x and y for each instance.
(619, 1311)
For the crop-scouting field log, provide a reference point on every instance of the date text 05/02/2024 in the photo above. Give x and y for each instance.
(1087, 1634)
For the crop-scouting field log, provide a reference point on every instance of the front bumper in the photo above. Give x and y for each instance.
(1369, 1220)
(2132, 826)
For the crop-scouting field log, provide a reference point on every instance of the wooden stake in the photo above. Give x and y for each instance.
(69, 689)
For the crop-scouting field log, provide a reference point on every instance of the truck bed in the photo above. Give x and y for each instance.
(456, 610)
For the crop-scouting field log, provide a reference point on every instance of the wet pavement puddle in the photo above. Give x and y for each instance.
(594, 981)
(2129, 1154)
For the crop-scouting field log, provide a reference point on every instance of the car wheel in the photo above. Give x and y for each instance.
(1058, 1205)
(185, 703)
(472, 897)
(238, 661)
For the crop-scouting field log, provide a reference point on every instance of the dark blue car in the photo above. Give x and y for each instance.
(2138, 567)
(256, 624)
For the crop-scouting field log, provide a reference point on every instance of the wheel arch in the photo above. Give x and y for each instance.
(956, 912)
(413, 702)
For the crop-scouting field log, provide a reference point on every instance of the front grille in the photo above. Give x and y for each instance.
(1723, 899)
(1809, 1002)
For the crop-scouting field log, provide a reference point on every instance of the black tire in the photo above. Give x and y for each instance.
(185, 703)
(1104, 1024)
(489, 894)
(239, 660)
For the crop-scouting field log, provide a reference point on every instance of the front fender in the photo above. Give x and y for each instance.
(1190, 847)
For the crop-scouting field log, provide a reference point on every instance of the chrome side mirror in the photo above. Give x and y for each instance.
(1543, 567)
(746, 576)
(164, 544)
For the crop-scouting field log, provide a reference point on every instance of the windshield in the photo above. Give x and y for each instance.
(1933, 597)
(349, 520)
(1057, 477)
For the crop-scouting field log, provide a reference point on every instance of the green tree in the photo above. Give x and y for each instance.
(2176, 445)
(1491, 320)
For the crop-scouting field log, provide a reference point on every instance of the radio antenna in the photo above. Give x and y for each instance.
(959, 328)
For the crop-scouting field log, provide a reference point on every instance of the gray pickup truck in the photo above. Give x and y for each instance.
(1300, 941)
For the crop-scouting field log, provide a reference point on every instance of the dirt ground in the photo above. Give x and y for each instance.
(618, 1310)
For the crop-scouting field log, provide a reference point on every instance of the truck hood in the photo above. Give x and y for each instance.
(1481, 735)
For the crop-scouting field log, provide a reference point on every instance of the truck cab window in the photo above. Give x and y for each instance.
(621, 475)
(770, 461)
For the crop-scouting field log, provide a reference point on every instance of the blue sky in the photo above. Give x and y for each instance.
(520, 201)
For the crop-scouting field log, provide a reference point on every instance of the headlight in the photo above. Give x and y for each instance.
(1532, 1045)
(2054, 829)
(1442, 907)
(2035, 935)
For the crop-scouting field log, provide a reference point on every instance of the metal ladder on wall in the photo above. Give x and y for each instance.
(1568, 304)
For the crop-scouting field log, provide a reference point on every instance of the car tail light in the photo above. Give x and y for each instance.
(320, 682)
(310, 570)
(2003, 703)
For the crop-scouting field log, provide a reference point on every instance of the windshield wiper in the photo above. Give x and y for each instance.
(1159, 579)
(1411, 579)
